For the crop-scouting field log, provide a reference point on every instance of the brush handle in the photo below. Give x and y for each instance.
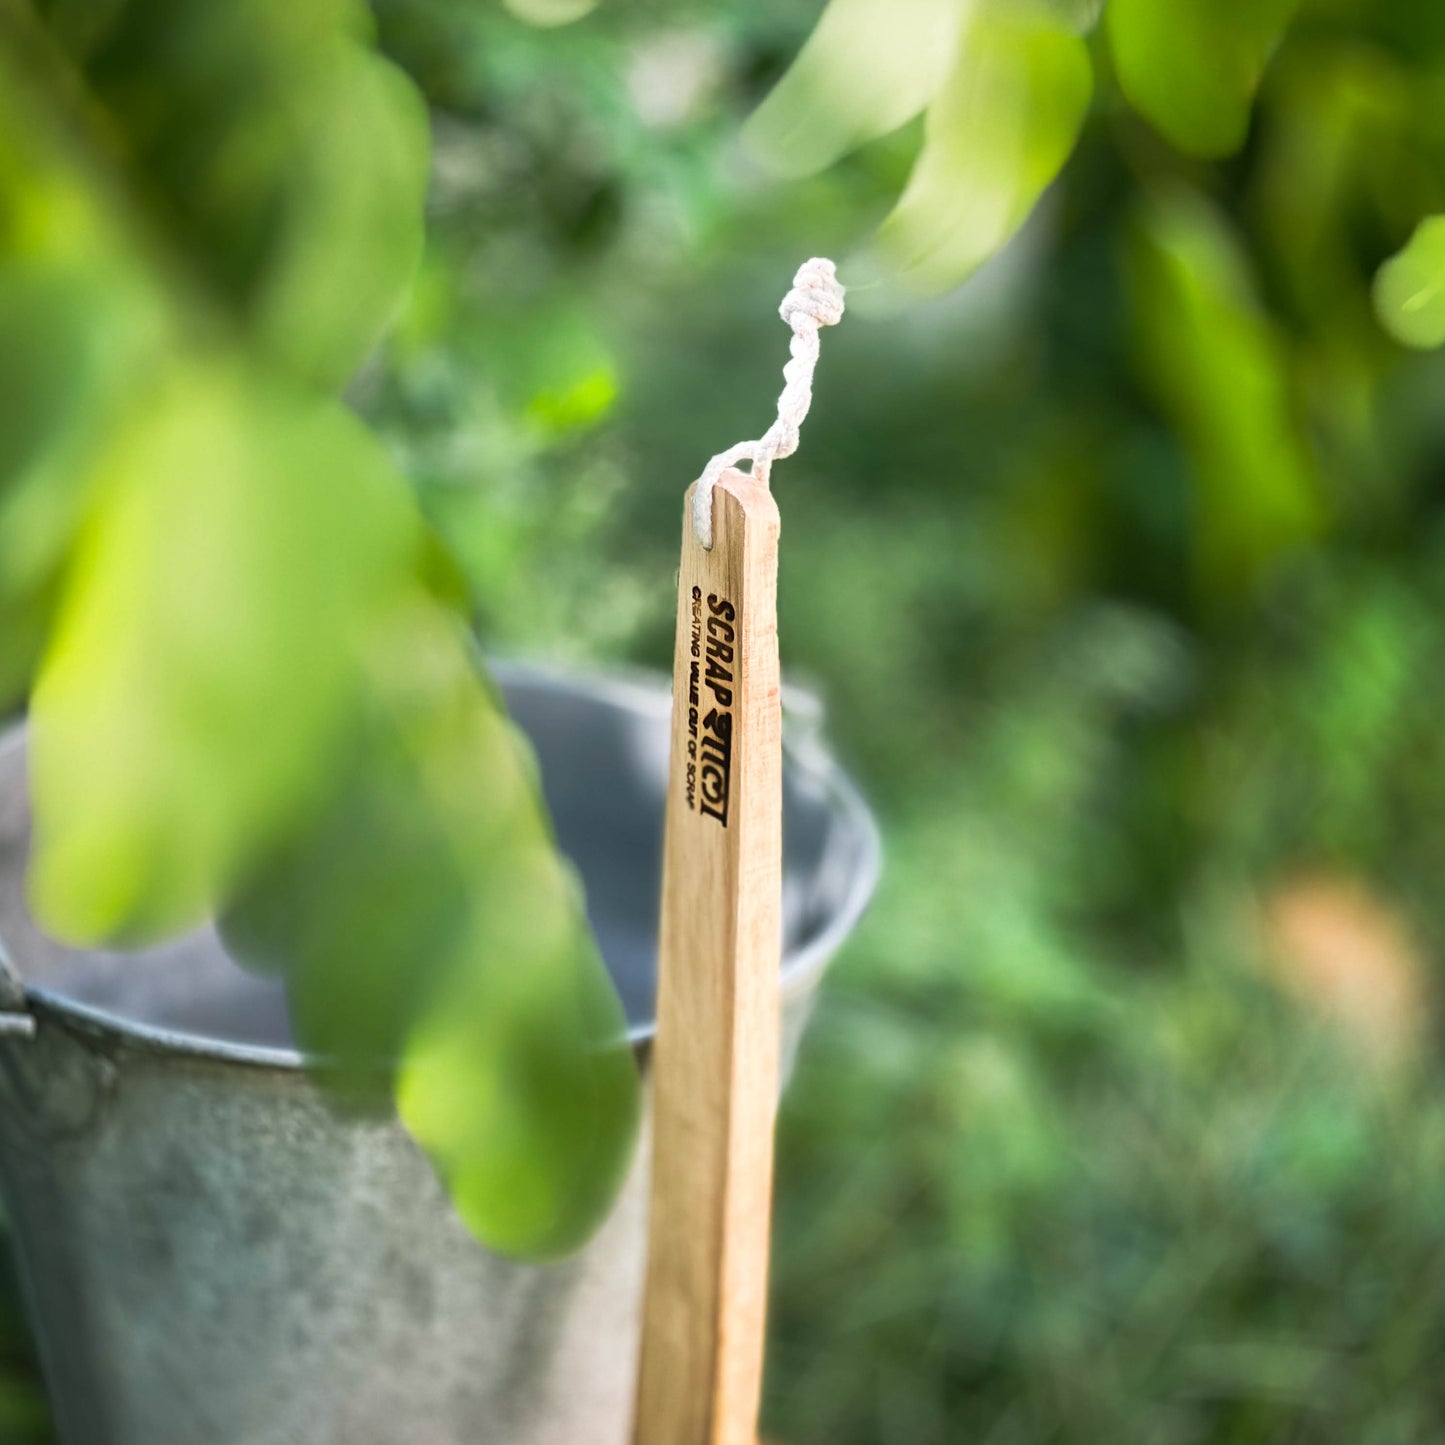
(715, 1062)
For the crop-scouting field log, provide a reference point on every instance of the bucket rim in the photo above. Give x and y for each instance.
(637, 690)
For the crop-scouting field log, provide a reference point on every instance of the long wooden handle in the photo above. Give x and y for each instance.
(715, 1065)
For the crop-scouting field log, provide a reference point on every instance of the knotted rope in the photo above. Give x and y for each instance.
(815, 301)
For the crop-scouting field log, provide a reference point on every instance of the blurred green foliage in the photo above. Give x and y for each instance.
(192, 613)
(1410, 289)
(1192, 67)
(1123, 567)
(1006, 119)
(218, 589)
(423, 917)
(1218, 365)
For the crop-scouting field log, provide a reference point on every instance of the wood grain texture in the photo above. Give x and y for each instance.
(715, 1063)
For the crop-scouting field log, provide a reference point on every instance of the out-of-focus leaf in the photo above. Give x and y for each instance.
(1003, 125)
(286, 159)
(204, 653)
(1410, 288)
(441, 574)
(359, 908)
(550, 12)
(1191, 67)
(48, 388)
(46, 379)
(257, 676)
(354, 195)
(518, 1079)
(27, 619)
(76, 330)
(1080, 15)
(287, 164)
(870, 66)
(70, 339)
(1221, 371)
(1339, 121)
(427, 917)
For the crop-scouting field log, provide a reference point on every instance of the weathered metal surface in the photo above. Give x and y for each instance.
(212, 1256)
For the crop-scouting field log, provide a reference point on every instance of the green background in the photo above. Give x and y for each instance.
(1120, 568)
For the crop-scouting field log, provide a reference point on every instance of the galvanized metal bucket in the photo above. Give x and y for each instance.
(212, 1256)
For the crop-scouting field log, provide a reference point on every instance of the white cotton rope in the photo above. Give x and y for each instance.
(815, 301)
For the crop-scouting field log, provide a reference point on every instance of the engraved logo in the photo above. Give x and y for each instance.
(712, 680)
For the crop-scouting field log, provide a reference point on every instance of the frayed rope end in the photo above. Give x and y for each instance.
(815, 301)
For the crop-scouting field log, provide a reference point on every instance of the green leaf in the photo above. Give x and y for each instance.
(257, 147)
(548, 13)
(240, 542)
(426, 917)
(519, 1081)
(352, 199)
(59, 381)
(517, 1077)
(1191, 67)
(1079, 15)
(1221, 370)
(1410, 288)
(999, 132)
(27, 621)
(360, 906)
(256, 676)
(870, 66)
(284, 159)
(76, 329)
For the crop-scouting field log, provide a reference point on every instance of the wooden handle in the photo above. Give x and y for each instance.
(715, 1063)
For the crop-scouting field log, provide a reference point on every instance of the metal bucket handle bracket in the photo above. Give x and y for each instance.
(15, 1017)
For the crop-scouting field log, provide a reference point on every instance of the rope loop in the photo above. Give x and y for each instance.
(815, 301)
